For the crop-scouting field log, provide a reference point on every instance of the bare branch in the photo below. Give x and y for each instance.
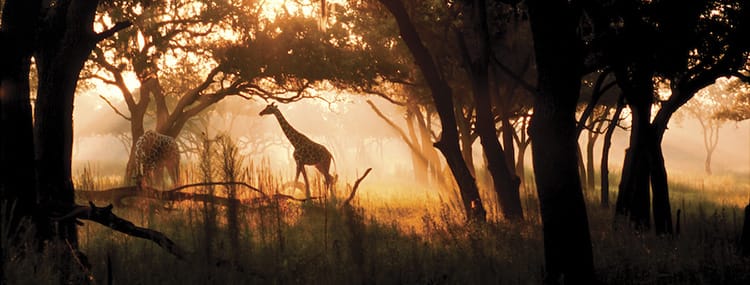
(111, 31)
(384, 96)
(401, 133)
(354, 189)
(114, 108)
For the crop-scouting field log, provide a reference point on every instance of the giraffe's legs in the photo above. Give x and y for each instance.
(324, 166)
(307, 183)
(301, 169)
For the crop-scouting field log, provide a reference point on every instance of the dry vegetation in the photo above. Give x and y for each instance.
(388, 239)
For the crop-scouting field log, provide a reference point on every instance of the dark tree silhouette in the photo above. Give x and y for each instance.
(442, 95)
(647, 42)
(567, 243)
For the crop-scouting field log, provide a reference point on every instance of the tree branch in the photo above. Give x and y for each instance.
(104, 216)
(111, 31)
(384, 96)
(114, 108)
(512, 74)
(354, 189)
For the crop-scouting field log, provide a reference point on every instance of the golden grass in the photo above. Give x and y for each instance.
(400, 233)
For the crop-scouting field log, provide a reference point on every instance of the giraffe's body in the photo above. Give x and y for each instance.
(306, 151)
(154, 152)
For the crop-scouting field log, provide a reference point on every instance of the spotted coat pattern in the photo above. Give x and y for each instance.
(306, 151)
(154, 152)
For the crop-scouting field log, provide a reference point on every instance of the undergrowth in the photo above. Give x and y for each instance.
(421, 239)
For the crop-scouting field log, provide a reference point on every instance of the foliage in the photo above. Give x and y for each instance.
(737, 109)
(292, 53)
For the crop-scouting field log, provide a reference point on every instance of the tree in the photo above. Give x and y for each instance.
(739, 109)
(707, 106)
(604, 165)
(60, 36)
(505, 182)
(559, 61)
(592, 119)
(442, 95)
(688, 50)
(17, 151)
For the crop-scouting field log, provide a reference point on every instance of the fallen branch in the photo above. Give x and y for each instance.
(226, 183)
(104, 216)
(354, 189)
(116, 195)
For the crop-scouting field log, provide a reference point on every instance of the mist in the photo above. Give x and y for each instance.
(359, 139)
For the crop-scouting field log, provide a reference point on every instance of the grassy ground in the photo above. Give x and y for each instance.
(417, 237)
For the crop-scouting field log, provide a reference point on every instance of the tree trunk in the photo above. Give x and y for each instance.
(434, 165)
(567, 242)
(467, 140)
(745, 237)
(508, 146)
(590, 175)
(660, 196)
(707, 164)
(633, 197)
(504, 181)
(710, 140)
(442, 96)
(17, 198)
(417, 159)
(581, 165)
(60, 61)
(522, 143)
(605, 153)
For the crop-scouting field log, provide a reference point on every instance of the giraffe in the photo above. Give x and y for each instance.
(306, 151)
(153, 153)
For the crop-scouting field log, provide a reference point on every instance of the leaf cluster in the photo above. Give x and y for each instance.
(293, 51)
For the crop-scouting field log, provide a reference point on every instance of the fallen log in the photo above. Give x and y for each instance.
(105, 217)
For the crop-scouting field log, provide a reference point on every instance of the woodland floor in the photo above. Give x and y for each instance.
(400, 241)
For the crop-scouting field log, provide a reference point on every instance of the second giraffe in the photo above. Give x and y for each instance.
(306, 151)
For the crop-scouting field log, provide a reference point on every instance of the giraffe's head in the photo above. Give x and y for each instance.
(270, 109)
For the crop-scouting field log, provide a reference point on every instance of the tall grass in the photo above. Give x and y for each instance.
(387, 238)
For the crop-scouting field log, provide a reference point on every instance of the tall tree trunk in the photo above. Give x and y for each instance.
(467, 141)
(17, 199)
(605, 153)
(567, 242)
(581, 165)
(745, 236)
(60, 60)
(590, 175)
(442, 96)
(508, 146)
(66, 42)
(434, 165)
(505, 182)
(660, 196)
(417, 158)
(710, 140)
(633, 197)
(523, 143)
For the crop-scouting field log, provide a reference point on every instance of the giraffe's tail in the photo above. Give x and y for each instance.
(335, 175)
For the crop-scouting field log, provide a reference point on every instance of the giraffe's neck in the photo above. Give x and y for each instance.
(295, 137)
